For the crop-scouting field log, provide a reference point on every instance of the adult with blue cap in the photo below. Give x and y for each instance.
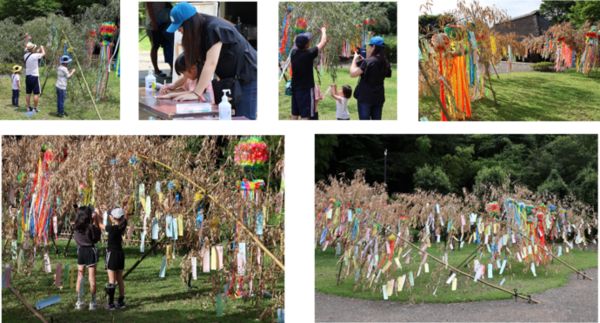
(370, 91)
(217, 46)
(303, 79)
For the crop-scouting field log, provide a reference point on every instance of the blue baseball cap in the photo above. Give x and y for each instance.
(303, 39)
(65, 59)
(180, 13)
(377, 41)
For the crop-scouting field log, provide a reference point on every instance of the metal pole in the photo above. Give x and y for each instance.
(385, 167)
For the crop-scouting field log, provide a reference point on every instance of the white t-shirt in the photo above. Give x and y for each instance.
(61, 77)
(32, 63)
(341, 110)
(16, 78)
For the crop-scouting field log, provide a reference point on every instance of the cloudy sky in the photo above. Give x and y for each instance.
(514, 7)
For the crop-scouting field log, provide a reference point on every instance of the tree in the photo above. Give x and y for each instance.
(556, 11)
(324, 152)
(458, 166)
(493, 176)
(585, 187)
(554, 184)
(341, 19)
(584, 11)
(432, 179)
(432, 21)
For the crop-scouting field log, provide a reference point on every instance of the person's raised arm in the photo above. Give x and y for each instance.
(354, 69)
(43, 51)
(334, 93)
(323, 39)
(210, 65)
(71, 73)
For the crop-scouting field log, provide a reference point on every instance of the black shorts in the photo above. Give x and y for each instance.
(303, 103)
(88, 256)
(315, 117)
(32, 84)
(115, 260)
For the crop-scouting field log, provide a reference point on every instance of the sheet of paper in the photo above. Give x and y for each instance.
(454, 281)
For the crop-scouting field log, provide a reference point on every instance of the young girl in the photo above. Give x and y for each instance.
(86, 235)
(188, 82)
(16, 86)
(115, 258)
(341, 111)
(318, 97)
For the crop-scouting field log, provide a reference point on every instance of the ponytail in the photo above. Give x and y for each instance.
(379, 54)
(122, 224)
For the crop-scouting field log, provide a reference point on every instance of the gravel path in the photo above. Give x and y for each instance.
(575, 302)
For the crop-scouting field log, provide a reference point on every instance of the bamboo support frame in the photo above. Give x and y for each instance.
(465, 274)
(81, 70)
(28, 306)
(203, 191)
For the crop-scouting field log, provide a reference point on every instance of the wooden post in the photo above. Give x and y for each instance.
(28, 306)
(143, 256)
(81, 70)
(465, 274)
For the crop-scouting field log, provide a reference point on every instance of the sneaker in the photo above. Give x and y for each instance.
(65, 114)
(79, 305)
(36, 110)
(120, 305)
(60, 115)
(29, 109)
(109, 307)
(94, 306)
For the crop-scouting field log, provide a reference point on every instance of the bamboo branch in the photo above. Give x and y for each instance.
(444, 111)
(28, 306)
(143, 256)
(465, 274)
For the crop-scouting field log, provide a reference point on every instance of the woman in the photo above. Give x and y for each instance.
(370, 91)
(216, 44)
(86, 235)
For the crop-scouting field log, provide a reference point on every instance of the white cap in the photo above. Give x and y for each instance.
(117, 213)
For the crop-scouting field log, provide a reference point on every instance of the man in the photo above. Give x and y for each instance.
(32, 75)
(303, 79)
(157, 20)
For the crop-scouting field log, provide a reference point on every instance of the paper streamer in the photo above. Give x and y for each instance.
(206, 261)
(142, 243)
(503, 265)
(163, 267)
(411, 279)
(426, 267)
(155, 229)
(194, 269)
(57, 279)
(220, 257)
(401, 282)
(454, 282)
(6, 276)
(71, 277)
(47, 264)
(213, 258)
(219, 305)
(502, 282)
(533, 269)
(385, 296)
(47, 302)
(180, 225)
(489, 271)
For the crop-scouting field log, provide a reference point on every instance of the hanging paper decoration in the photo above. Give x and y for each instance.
(493, 208)
(251, 153)
(107, 32)
(90, 45)
(300, 26)
(590, 56)
(173, 186)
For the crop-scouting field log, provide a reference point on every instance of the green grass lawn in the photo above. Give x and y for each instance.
(148, 298)
(144, 45)
(548, 276)
(326, 107)
(568, 96)
(78, 105)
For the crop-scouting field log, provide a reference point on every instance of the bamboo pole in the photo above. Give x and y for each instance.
(240, 223)
(553, 256)
(143, 256)
(81, 70)
(465, 274)
(444, 111)
(28, 306)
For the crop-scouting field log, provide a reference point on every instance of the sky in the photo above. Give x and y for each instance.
(514, 7)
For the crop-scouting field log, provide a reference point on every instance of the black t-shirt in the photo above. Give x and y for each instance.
(89, 237)
(303, 77)
(371, 89)
(115, 237)
(217, 30)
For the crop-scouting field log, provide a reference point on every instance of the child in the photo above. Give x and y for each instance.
(341, 111)
(61, 85)
(16, 86)
(188, 82)
(318, 97)
(86, 235)
(115, 258)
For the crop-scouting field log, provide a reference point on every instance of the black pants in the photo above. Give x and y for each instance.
(15, 97)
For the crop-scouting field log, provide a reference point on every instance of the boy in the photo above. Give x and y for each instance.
(16, 86)
(61, 85)
(32, 75)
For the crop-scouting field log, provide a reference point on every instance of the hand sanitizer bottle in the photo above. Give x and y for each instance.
(150, 79)
(225, 107)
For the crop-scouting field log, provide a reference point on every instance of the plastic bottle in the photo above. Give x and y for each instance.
(225, 107)
(239, 25)
(150, 79)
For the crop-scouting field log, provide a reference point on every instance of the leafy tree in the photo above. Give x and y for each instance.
(554, 184)
(324, 152)
(585, 186)
(432, 179)
(556, 11)
(391, 9)
(432, 21)
(585, 11)
(493, 176)
(458, 166)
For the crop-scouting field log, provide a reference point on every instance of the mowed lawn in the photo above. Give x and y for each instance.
(548, 276)
(567, 96)
(327, 108)
(148, 298)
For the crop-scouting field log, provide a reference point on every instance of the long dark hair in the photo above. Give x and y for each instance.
(122, 225)
(83, 219)
(379, 54)
(192, 37)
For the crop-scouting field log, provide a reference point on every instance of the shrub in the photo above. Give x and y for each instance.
(543, 67)
(391, 48)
